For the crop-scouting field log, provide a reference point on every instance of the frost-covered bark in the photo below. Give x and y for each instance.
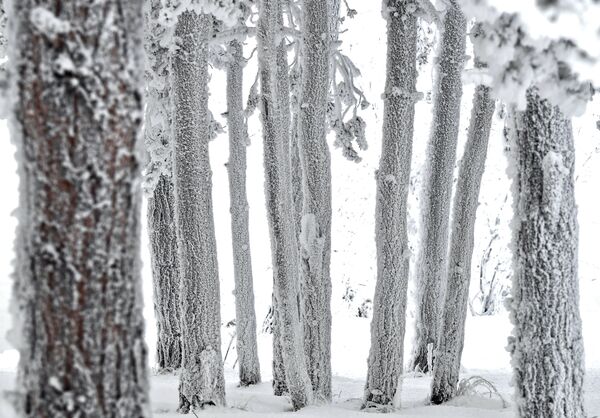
(279, 380)
(76, 121)
(165, 274)
(280, 212)
(283, 109)
(547, 347)
(315, 236)
(437, 190)
(158, 184)
(202, 381)
(389, 306)
(249, 367)
(466, 198)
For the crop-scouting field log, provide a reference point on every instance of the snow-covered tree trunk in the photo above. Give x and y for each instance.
(249, 367)
(437, 190)
(547, 346)
(202, 381)
(279, 380)
(284, 247)
(159, 187)
(466, 198)
(77, 74)
(389, 305)
(165, 274)
(283, 109)
(315, 236)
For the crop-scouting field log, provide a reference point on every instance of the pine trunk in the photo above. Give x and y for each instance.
(283, 109)
(76, 122)
(547, 347)
(437, 192)
(315, 236)
(165, 274)
(202, 381)
(249, 367)
(159, 187)
(280, 207)
(466, 198)
(389, 305)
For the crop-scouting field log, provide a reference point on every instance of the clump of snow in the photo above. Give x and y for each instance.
(48, 23)
(227, 11)
(308, 232)
(520, 55)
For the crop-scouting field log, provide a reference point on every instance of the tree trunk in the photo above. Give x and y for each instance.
(437, 191)
(547, 347)
(76, 121)
(466, 199)
(283, 109)
(165, 274)
(249, 367)
(280, 208)
(315, 236)
(279, 384)
(389, 305)
(202, 381)
(158, 184)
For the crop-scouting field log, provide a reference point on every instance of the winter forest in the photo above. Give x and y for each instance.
(316, 208)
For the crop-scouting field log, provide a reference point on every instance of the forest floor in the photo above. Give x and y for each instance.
(258, 401)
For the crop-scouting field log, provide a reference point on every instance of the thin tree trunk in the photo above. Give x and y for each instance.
(389, 305)
(202, 381)
(283, 109)
(165, 274)
(77, 283)
(159, 186)
(249, 367)
(437, 192)
(279, 380)
(280, 208)
(315, 237)
(450, 345)
(547, 347)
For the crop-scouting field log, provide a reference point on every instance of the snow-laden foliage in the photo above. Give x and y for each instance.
(347, 98)
(227, 11)
(462, 238)
(558, 53)
(388, 325)
(76, 77)
(547, 343)
(431, 262)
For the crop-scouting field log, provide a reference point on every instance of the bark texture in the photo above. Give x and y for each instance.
(76, 122)
(283, 109)
(280, 211)
(466, 199)
(315, 236)
(165, 274)
(249, 367)
(547, 347)
(202, 381)
(389, 304)
(158, 184)
(437, 190)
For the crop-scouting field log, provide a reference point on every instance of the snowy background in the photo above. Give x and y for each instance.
(353, 251)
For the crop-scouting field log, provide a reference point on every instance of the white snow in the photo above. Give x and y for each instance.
(47, 23)
(353, 256)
